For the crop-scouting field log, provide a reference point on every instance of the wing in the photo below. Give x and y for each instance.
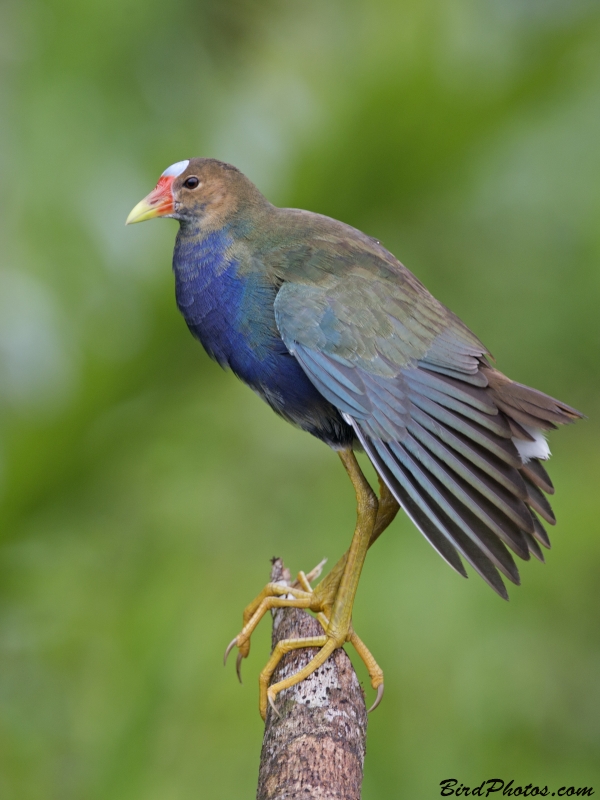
(442, 428)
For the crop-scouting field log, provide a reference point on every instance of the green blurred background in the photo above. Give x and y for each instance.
(143, 490)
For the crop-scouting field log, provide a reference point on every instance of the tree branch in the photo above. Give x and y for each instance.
(316, 749)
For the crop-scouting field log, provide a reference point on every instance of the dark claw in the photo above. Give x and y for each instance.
(377, 699)
(230, 647)
(273, 706)
(238, 666)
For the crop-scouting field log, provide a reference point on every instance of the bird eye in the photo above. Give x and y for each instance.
(191, 182)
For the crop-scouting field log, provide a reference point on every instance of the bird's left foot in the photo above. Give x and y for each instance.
(327, 644)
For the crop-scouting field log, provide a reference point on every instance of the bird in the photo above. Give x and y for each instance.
(344, 342)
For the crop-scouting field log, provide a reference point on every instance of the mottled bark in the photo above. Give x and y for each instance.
(316, 749)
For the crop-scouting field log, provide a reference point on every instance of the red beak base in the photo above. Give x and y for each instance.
(159, 203)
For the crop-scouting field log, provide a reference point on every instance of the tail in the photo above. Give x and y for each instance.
(529, 414)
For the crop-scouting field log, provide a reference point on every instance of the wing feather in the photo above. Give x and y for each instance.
(438, 423)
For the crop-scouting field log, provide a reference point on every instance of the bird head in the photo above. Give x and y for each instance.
(201, 190)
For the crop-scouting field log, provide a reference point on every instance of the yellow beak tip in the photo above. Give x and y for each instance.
(132, 218)
(142, 212)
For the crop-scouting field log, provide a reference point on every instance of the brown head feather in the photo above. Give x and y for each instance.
(222, 193)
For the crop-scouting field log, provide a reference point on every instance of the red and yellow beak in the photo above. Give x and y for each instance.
(159, 203)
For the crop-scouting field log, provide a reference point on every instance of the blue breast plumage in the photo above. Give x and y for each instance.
(230, 311)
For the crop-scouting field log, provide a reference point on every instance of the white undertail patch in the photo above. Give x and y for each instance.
(175, 170)
(536, 449)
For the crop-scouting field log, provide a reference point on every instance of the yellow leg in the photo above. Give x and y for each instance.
(267, 604)
(285, 645)
(339, 627)
(386, 512)
(269, 598)
(373, 668)
(331, 600)
(281, 648)
(366, 516)
(270, 590)
(327, 647)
